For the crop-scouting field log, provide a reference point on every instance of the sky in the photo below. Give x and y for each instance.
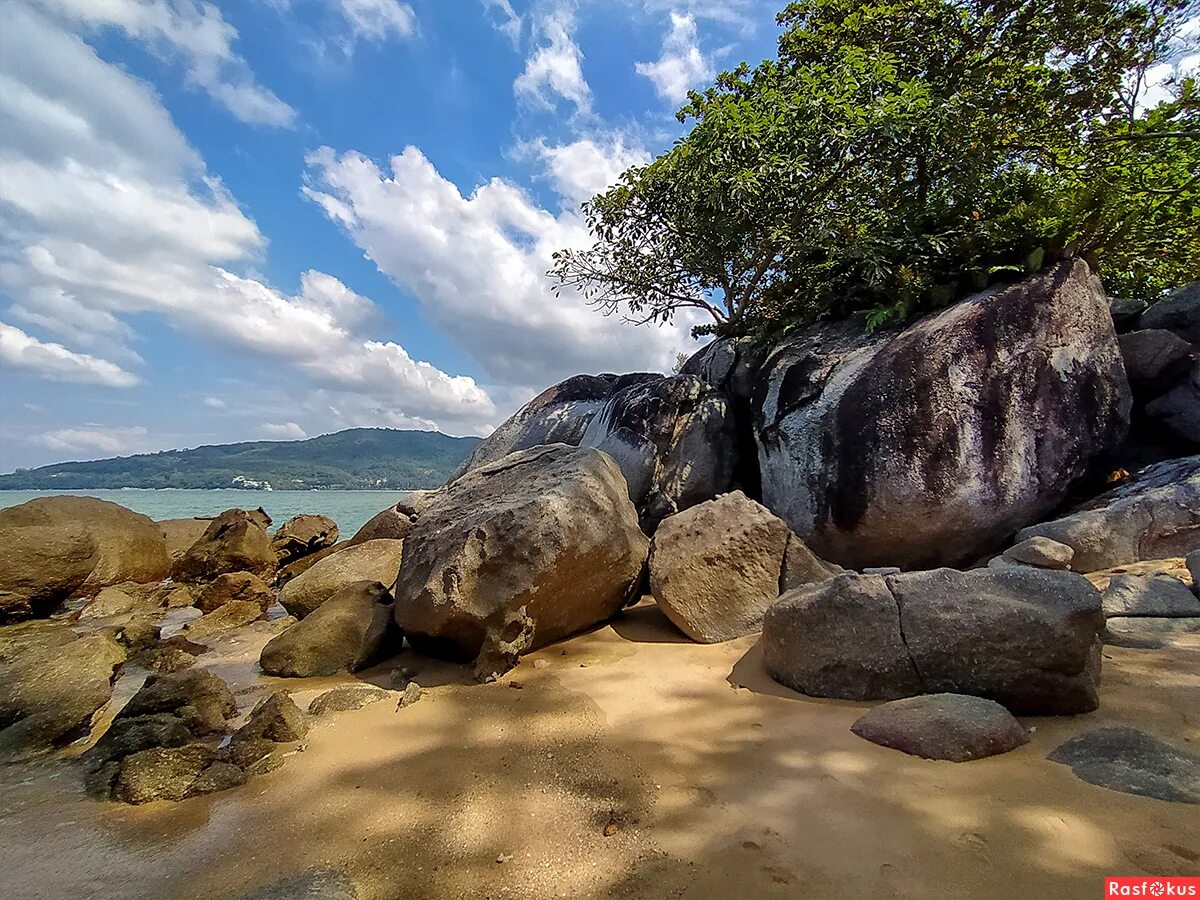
(272, 219)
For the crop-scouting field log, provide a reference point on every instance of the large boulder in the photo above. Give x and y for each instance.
(522, 552)
(1154, 360)
(350, 631)
(395, 522)
(934, 444)
(235, 586)
(1155, 515)
(180, 534)
(957, 727)
(376, 560)
(1133, 762)
(716, 568)
(673, 439)
(51, 683)
(54, 548)
(1179, 313)
(200, 700)
(1159, 596)
(235, 541)
(1026, 638)
(558, 415)
(1179, 408)
(304, 534)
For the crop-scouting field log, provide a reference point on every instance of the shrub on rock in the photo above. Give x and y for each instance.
(527, 550)
(376, 560)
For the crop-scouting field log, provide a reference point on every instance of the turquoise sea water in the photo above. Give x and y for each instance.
(350, 509)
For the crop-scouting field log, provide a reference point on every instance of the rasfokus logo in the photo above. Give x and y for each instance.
(1152, 887)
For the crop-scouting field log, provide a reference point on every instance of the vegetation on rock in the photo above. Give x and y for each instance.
(899, 155)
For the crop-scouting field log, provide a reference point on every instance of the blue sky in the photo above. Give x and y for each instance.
(278, 218)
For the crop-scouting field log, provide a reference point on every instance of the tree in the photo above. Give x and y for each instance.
(898, 155)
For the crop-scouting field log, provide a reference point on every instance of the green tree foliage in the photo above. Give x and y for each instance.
(898, 155)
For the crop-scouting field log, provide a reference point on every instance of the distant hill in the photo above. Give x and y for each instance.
(354, 459)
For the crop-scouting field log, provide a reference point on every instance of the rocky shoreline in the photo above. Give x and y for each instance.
(947, 520)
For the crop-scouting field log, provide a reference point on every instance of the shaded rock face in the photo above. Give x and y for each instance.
(302, 535)
(370, 561)
(161, 773)
(200, 700)
(1150, 595)
(54, 548)
(957, 727)
(1026, 638)
(524, 551)
(1154, 360)
(717, 567)
(51, 685)
(1133, 762)
(180, 534)
(673, 439)
(934, 444)
(351, 631)
(1179, 408)
(235, 586)
(235, 541)
(1179, 313)
(347, 698)
(1156, 515)
(558, 415)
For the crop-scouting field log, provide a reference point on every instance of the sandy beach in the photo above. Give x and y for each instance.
(626, 762)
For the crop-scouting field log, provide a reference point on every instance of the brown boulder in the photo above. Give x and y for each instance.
(180, 534)
(235, 586)
(377, 560)
(304, 534)
(235, 541)
(350, 631)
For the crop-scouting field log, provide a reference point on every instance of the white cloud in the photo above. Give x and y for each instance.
(285, 431)
(741, 15)
(91, 438)
(477, 265)
(509, 24)
(377, 19)
(115, 218)
(215, 403)
(681, 66)
(55, 362)
(198, 36)
(556, 66)
(580, 170)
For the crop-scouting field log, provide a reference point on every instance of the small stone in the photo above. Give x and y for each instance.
(347, 698)
(162, 773)
(503, 858)
(541, 663)
(277, 718)
(611, 828)
(1041, 552)
(955, 727)
(412, 694)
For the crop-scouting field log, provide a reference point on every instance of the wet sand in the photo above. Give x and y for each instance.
(632, 763)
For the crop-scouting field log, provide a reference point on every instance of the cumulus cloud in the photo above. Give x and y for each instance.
(681, 66)
(477, 263)
(583, 168)
(555, 68)
(197, 35)
(740, 15)
(56, 363)
(284, 431)
(118, 216)
(93, 438)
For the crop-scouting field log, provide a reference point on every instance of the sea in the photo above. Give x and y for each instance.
(350, 509)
